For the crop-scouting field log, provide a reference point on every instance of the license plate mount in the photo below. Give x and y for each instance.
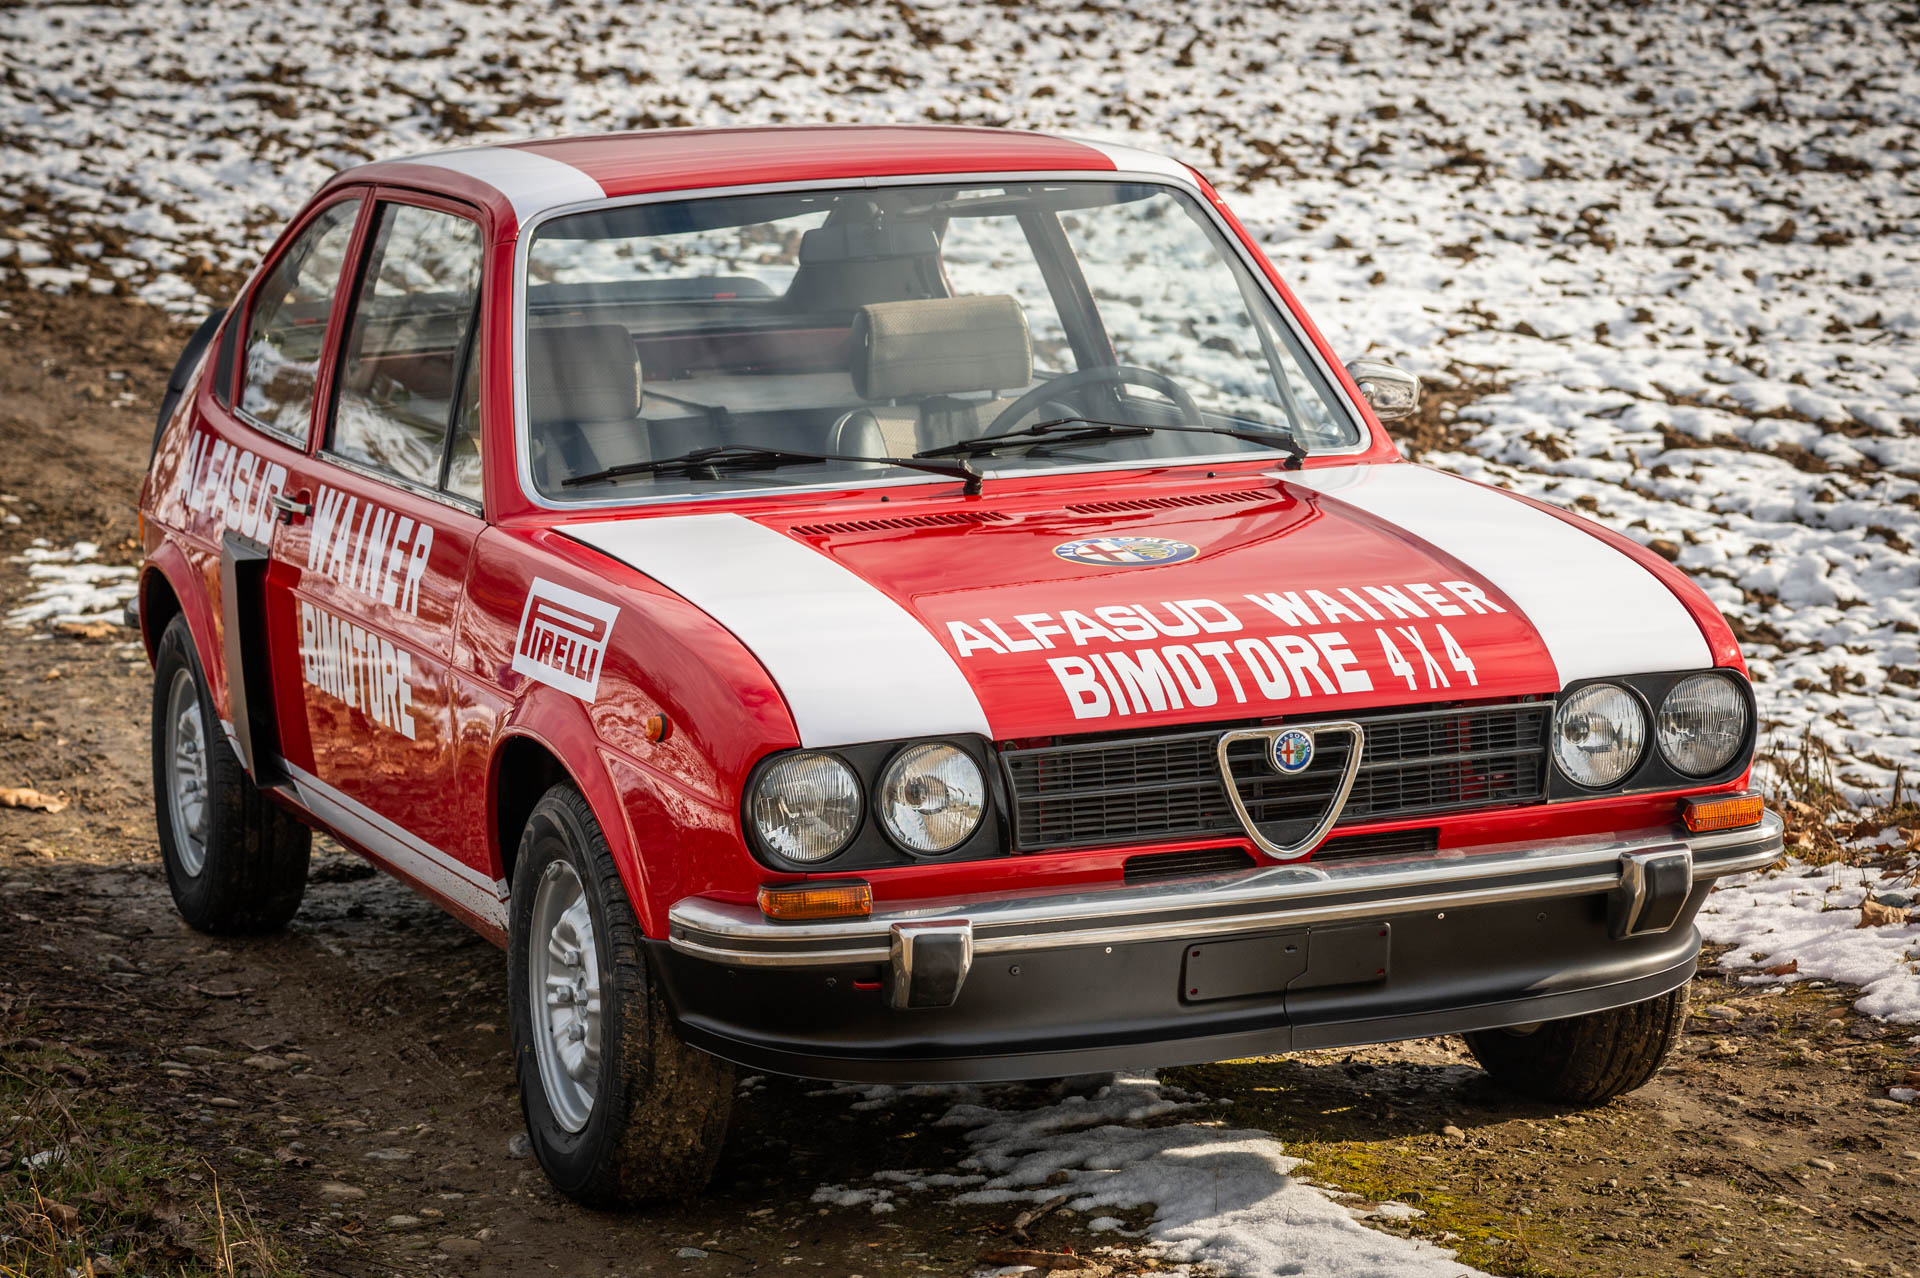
(1243, 967)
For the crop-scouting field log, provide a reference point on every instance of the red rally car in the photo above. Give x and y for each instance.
(905, 604)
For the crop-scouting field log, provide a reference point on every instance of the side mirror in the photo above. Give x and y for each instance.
(1391, 392)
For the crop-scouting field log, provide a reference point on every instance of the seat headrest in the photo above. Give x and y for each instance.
(940, 346)
(582, 373)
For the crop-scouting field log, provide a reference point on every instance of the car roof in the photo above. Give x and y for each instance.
(521, 180)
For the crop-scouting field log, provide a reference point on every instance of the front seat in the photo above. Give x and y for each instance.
(916, 360)
(583, 400)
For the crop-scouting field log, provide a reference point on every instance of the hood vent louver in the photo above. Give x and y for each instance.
(946, 520)
(1121, 507)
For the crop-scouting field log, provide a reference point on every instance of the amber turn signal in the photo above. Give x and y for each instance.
(1721, 812)
(817, 901)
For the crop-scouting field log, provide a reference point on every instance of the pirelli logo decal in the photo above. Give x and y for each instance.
(563, 638)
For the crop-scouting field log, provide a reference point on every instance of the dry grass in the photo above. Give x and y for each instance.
(89, 1187)
(1822, 826)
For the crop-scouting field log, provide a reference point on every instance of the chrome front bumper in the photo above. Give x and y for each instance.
(1629, 868)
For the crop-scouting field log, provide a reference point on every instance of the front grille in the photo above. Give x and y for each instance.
(1285, 809)
(1423, 838)
(1168, 787)
(1151, 789)
(1417, 763)
(1156, 866)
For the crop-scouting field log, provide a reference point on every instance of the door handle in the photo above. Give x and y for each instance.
(291, 508)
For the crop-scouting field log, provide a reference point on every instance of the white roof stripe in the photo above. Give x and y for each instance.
(532, 183)
(1129, 159)
(1597, 611)
(852, 664)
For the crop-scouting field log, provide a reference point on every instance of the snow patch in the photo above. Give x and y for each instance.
(1809, 918)
(69, 588)
(1223, 1198)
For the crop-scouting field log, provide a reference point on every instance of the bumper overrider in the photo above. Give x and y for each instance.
(1280, 959)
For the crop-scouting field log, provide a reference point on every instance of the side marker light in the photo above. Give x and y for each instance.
(817, 901)
(1721, 812)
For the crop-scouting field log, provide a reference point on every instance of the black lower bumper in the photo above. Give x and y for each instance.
(1083, 1009)
(1275, 961)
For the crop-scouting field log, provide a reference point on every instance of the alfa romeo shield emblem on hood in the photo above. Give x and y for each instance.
(1126, 552)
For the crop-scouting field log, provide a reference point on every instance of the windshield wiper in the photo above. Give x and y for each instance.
(1055, 432)
(1039, 433)
(762, 457)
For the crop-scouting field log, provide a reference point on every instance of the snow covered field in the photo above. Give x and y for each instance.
(1684, 243)
(1672, 252)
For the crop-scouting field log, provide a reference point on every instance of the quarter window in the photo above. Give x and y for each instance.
(287, 333)
(407, 360)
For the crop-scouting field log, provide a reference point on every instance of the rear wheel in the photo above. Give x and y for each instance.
(619, 1109)
(236, 861)
(1584, 1060)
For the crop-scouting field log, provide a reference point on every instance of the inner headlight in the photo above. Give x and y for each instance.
(931, 798)
(1598, 734)
(806, 807)
(1702, 724)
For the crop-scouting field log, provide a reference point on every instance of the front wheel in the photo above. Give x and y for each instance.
(1584, 1060)
(619, 1109)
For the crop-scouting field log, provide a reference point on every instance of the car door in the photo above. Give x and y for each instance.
(245, 453)
(368, 569)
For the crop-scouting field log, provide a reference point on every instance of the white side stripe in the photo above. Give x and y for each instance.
(852, 664)
(1597, 611)
(531, 182)
(445, 874)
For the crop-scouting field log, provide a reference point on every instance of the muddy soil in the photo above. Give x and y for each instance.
(346, 1085)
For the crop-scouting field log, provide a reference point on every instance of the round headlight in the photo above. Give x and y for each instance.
(806, 807)
(931, 798)
(1598, 734)
(1702, 724)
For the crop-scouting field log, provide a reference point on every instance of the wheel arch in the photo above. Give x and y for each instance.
(166, 590)
(524, 768)
(548, 741)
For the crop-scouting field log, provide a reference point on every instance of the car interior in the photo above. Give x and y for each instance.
(870, 350)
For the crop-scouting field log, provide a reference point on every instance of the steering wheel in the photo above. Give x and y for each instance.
(1118, 374)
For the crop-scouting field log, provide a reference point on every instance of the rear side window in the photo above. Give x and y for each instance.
(287, 331)
(406, 369)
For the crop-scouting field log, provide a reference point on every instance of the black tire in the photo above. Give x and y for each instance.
(241, 867)
(657, 1115)
(1584, 1060)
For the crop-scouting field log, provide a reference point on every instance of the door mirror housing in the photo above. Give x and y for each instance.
(1391, 392)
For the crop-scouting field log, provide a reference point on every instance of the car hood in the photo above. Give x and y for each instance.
(1301, 596)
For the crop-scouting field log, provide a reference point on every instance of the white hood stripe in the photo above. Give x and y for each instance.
(852, 664)
(1597, 611)
(531, 182)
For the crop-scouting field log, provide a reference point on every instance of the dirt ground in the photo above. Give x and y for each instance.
(338, 1099)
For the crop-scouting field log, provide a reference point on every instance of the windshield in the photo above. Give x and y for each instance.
(874, 323)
